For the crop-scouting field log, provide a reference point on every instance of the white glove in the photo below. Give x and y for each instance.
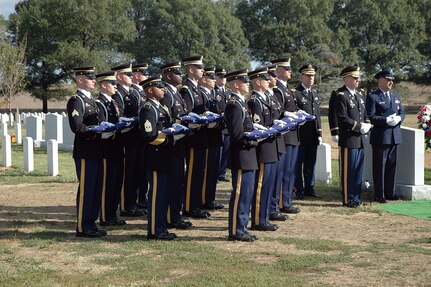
(194, 126)
(397, 120)
(290, 114)
(106, 124)
(212, 125)
(334, 138)
(320, 140)
(365, 128)
(179, 136)
(390, 119)
(259, 127)
(107, 135)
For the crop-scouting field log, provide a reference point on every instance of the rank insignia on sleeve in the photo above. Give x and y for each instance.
(256, 118)
(147, 126)
(75, 113)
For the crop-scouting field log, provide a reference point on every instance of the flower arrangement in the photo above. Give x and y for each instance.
(424, 120)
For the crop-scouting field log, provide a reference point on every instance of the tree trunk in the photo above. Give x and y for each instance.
(44, 104)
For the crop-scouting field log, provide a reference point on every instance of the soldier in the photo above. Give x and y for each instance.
(140, 73)
(113, 160)
(222, 96)
(87, 153)
(212, 156)
(172, 99)
(243, 161)
(310, 133)
(196, 143)
(353, 125)
(128, 105)
(386, 113)
(287, 99)
(262, 111)
(159, 154)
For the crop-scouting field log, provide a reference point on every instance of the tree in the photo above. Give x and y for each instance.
(63, 34)
(12, 66)
(171, 30)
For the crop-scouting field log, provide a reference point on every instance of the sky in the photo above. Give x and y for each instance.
(7, 7)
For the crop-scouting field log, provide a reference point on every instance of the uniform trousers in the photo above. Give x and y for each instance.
(352, 166)
(129, 194)
(305, 168)
(195, 177)
(240, 200)
(177, 190)
(275, 194)
(142, 178)
(264, 184)
(89, 173)
(157, 201)
(212, 156)
(384, 168)
(113, 171)
(224, 156)
(289, 174)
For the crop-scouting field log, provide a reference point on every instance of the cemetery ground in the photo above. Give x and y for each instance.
(324, 245)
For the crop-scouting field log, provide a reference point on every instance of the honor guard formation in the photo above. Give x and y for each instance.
(156, 145)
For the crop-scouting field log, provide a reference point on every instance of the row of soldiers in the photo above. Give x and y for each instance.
(180, 172)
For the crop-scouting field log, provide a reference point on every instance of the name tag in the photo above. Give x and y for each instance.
(382, 103)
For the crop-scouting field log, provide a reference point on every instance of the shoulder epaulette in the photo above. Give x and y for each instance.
(340, 93)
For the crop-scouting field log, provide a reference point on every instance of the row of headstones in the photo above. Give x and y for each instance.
(28, 147)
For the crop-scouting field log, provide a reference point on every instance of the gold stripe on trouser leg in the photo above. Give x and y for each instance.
(345, 162)
(122, 186)
(153, 202)
(235, 206)
(204, 184)
(168, 216)
(81, 195)
(280, 203)
(103, 212)
(189, 178)
(258, 191)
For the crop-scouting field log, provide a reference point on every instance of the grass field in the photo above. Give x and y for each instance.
(324, 245)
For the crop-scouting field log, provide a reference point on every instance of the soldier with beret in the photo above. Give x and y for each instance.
(243, 161)
(222, 96)
(129, 106)
(353, 126)
(198, 141)
(287, 99)
(262, 112)
(386, 112)
(159, 154)
(212, 152)
(172, 78)
(113, 167)
(310, 133)
(140, 73)
(83, 113)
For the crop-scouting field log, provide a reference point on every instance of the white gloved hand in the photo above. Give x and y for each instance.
(397, 120)
(390, 119)
(365, 128)
(334, 138)
(179, 136)
(107, 135)
(290, 114)
(212, 125)
(319, 139)
(194, 126)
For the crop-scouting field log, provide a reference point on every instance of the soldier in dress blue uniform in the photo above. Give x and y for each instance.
(243, 161)
(140, 73)
(153, 118)
(196, 143)
(172, 77)
(113, 159)
(287, 99)
(87, 153)
(262, 111)
(129, 106)
(353, 125)
(212, 152)
(222, 96)
(386, 113)
(310, 133)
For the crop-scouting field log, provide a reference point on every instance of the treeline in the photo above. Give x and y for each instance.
(61, 34)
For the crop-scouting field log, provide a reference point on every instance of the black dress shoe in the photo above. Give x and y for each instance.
(197, 213)
(135, 212)
(141, 205)
(212, 206)
(162, 236)
(352, 204)
(278, 216)
(241, 237)
(180, 224)
(312, 195)
(393, 198)
(89, 234)
(380, 200)
(299, 196)
(265, 227)
(113, 222)
(290, 209)
(252, 235)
